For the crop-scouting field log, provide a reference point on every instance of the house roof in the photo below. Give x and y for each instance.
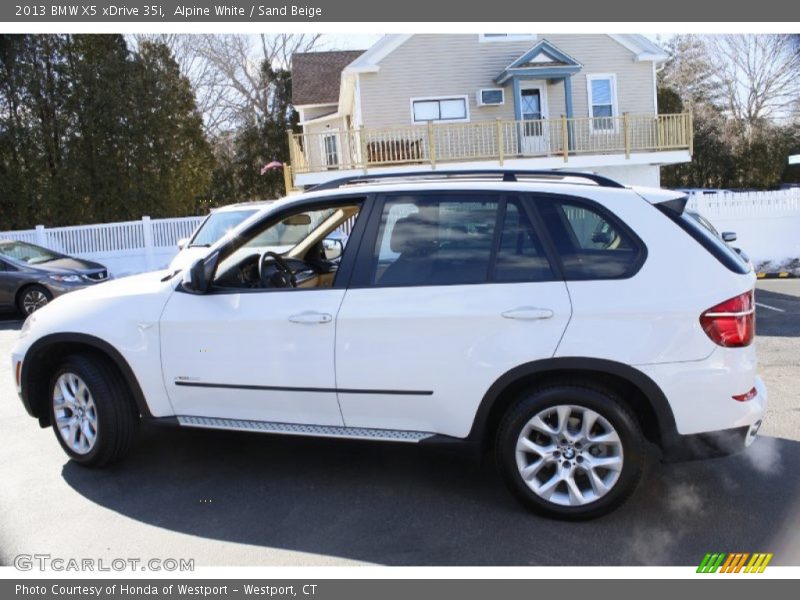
(316, 75)
(543, 59)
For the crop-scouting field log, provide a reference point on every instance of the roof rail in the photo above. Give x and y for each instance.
(506, 174)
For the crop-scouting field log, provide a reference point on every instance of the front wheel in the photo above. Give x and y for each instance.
(570, 452)
(92, 411)
(33, 298)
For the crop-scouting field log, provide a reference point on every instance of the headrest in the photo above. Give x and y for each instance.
(413, 234)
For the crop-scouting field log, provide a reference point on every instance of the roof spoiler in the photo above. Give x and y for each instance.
(670, 200)
(676, 205)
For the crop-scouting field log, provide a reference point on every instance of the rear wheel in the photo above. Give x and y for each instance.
(570, 452)
(32, 298)
(92, 411)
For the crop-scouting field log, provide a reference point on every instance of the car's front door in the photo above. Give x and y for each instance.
(7, 286)
(256, 354)
(451, 291)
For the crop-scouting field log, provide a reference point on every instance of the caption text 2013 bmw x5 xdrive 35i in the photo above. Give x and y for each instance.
(561, 321)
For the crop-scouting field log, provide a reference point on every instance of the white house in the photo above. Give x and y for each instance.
(471, 101)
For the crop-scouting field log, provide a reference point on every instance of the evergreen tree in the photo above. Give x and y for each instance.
(90, 132)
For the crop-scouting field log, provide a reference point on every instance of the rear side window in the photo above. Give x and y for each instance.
(706, 238)
(591, 243)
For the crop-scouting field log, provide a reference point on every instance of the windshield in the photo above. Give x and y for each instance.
(27, 253)
(218, 224)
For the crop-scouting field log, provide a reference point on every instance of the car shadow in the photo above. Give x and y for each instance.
(784, 322)
(10, 321)
(406, 505)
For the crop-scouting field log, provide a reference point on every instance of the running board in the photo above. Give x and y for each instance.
(332, 431)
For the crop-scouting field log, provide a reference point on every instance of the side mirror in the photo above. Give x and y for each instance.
(182, 243)
(333, 248)
(197, 278)
(728, 236)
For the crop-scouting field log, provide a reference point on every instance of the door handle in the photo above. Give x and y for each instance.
(311, 318)
(528, 313)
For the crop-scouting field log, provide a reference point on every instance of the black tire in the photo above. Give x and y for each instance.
(600, 401)
(29, 298)
(117, 418)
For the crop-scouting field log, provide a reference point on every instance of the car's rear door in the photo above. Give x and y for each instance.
(451, 290)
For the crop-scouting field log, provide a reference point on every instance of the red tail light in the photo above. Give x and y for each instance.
(731, 323)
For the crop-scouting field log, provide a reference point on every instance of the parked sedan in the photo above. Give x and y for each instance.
(31, 276)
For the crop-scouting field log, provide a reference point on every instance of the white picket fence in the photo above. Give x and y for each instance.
(767, 224)
(125, 248)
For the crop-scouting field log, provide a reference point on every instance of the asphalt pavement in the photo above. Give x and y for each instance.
(250, 499)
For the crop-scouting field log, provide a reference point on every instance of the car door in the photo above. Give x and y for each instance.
(7, 286)
(252, 354)
(451, 291)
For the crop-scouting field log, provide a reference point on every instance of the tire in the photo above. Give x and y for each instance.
(32, 298)
(89, 396)
(567, 473)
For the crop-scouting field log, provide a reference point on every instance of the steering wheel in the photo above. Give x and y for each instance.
(283, 276)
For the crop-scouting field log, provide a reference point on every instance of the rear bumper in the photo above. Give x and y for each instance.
(709, 445)
(723, 442)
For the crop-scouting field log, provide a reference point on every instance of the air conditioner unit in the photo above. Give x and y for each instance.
(491, 97)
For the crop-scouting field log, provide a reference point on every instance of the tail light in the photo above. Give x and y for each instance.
(731, 323)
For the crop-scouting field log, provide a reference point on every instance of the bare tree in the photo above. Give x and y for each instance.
(226, 72)
(758, 74)
(208, 84)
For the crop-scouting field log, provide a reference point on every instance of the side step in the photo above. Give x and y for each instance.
(333, 431)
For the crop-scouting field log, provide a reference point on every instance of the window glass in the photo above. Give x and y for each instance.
(279, 238)
(445, 109)
(453, 109)
(602, 104)
(27, 253)
(589, 244)
(426, 111)
(434, 241)
(520, 256)
(601, 91)
(218, 224)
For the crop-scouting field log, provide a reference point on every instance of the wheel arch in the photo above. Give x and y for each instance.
(637, 390)
(43, 356)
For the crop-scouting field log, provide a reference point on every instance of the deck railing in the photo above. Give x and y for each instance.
(498, 140)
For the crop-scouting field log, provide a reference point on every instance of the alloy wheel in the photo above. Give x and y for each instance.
(569, 455)
(75, 413)
(33, 301)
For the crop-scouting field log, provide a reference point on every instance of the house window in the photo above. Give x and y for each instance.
(505, 37)
(439, 109)
(602, 91)
(331, 150)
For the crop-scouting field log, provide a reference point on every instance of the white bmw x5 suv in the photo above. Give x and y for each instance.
(562, 321)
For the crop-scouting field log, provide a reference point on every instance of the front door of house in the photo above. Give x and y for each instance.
(534, 133)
